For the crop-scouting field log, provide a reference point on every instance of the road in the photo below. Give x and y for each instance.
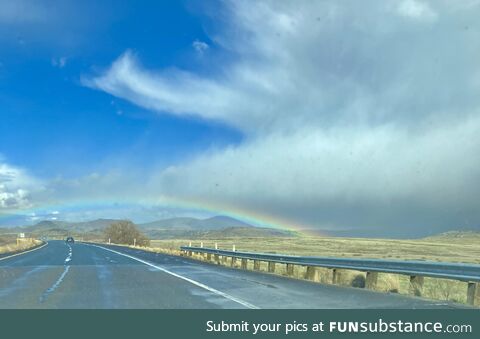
(88, 276)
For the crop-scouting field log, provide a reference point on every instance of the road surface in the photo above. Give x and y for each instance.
(89, 276)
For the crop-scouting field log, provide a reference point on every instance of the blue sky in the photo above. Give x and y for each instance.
(350, 117)
(53, 125)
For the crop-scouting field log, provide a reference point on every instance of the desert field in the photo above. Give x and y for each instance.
(452, 247)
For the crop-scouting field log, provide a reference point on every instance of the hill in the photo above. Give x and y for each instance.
(464, 237)
(229, 232)
(182, 227)
(214, 223)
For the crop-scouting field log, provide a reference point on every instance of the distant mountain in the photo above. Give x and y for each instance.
(93, 225)
(214, 223)
(456, 236)
(230, 232)
(83, 226)
(46, 225)
(215, 227)
(182, 227)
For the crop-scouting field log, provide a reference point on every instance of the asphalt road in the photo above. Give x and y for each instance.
(88, 276)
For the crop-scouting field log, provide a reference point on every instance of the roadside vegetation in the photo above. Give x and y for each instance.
(125, 232)
(449, 247)
(442, 248)
(461, 247)
(9, 244)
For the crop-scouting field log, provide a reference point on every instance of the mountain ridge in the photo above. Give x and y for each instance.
(180, 227)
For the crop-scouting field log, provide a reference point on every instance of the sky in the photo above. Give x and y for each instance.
(350, 118)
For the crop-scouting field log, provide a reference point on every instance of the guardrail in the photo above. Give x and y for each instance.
(417, 270)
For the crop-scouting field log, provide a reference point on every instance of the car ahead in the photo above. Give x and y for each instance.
(69, 240)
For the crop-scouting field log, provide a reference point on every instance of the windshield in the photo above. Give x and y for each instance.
(135, 136)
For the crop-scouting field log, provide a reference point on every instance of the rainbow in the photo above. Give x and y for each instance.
(205, 207)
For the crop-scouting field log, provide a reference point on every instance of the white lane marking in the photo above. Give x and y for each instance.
(14, 255)
(55, 285)
(60, 279)
(194, 282)
(69, 257)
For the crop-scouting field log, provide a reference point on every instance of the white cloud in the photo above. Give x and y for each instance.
(15, 187)
(59, 62)
(416, 9)
(352, 115)
(296, 64)
(200, 47)
(175, 92)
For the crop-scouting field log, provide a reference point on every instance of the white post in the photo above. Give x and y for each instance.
(109, 241)
(216, 246)
(233, 248)
(201, 244)
(190, 244)
(134, 242)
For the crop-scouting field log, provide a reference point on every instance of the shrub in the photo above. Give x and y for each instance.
(359, 281)
(125, 232)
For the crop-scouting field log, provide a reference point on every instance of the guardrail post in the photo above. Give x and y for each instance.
(308, 273)
(271, 266)
(371, 280)
(216, 258)
(209, 256)
(232, 263)
(312, 273)
(472, 293)
(290, 270)
(316, 275)
(256, 265)
(244, 264)
(335, 276)
(416, 285)
(224, 259)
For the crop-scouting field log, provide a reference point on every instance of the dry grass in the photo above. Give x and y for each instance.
(9, 244)
(444, 249)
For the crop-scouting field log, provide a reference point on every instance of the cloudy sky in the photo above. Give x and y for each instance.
(346, 117)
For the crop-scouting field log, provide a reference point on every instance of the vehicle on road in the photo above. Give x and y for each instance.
(70, 240)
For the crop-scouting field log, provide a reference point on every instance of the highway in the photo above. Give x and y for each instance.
(90, 276)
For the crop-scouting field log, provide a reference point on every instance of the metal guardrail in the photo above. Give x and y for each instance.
(469, 273)
(463, 272)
